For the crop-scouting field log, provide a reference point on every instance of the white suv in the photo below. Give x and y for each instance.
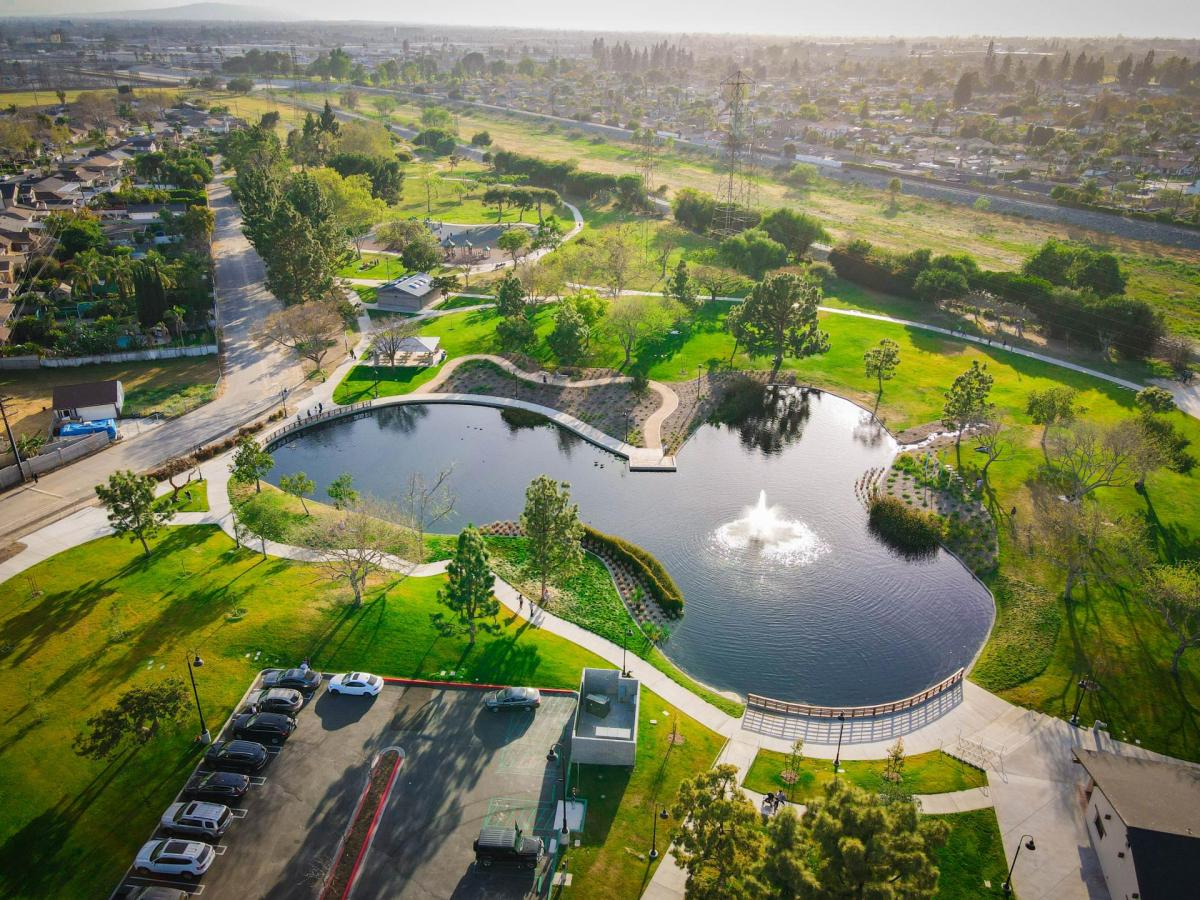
(197, 819)
(190, 859)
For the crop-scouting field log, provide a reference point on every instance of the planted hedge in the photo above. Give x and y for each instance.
(908, 530)
(659, 582)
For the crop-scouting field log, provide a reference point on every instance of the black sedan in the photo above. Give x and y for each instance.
(306, 680)
(223, 786)
(273, 728)
(275, 700)
(237, 756)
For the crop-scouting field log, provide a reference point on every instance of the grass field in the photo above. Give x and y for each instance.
(85, 625)
(192, 497)
(22, 99)
(169, 386)
(971, 864)
(924, 773)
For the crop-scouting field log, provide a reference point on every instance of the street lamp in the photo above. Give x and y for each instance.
(1007, 886)
(624, 640)
(193, 664)
(837, 759)
(664, 815)
(556, 752)
(1082, 686)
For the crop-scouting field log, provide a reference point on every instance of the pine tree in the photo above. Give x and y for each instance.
(552, 527)
(469, 581)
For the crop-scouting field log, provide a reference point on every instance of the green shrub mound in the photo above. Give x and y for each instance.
(1028, 619)
(659, 582)
(906, 529)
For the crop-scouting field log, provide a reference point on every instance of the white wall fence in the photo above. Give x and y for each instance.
(50, 362)
(52, 458)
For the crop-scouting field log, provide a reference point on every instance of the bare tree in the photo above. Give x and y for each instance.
(994, 441)
(540, 280)
(1091, 456)
(309, 329)
(356, 545)
(1174, 593)
(425, 503)
(389, 339)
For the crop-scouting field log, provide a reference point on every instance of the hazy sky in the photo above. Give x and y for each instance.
(1164, 18)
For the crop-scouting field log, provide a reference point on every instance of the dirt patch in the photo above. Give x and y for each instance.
(8, 551)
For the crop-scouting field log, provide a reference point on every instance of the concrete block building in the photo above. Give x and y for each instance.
(606, 719)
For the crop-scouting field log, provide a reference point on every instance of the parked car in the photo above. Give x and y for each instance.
(305, 680)
(275, 700)
(356, 683)
(217, 786)
(273, 728)
(512, 698)
(197, 818)
(508, 847)
(237, 756)
(190, 859)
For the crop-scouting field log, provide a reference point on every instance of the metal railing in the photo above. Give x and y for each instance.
(783, 707)
(303, 422)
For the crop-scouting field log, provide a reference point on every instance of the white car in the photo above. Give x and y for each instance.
(359, 683)
(190, 859)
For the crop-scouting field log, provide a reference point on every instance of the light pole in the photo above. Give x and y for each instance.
(837, 758)
(1082, 686)
(1007, 886)
(193, 664)
(662, 814)
(12, 442)
(624, 641)
(556, 752)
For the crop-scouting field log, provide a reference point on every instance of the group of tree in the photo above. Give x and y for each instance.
(568, 179)
(522, 199)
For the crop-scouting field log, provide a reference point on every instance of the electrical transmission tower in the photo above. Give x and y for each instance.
(735, 196)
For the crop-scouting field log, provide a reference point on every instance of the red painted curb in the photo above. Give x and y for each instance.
(425, 682)
(362, 851)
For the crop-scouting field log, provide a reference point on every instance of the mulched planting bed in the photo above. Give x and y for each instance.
(359, 833)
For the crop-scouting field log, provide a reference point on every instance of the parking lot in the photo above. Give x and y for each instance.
(463, 768)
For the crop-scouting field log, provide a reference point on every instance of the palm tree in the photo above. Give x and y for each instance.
(175, 316)
(88, 267)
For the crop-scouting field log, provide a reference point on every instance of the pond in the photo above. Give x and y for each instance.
(788, 593)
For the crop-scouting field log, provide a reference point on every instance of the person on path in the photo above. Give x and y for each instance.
(520, 602)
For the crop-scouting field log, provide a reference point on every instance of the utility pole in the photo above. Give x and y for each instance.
(12, 441)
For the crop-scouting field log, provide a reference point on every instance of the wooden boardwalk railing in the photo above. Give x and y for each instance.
(335, 412)
(783, 707)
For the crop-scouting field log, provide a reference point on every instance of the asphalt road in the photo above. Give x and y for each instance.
(253, 376)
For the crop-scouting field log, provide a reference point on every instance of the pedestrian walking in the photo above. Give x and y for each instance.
(35, 477)
(520, 602)
(320, 408)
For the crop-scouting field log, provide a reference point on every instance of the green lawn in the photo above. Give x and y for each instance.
(380, 266)
(198, 501)
(84, 625)
(972, 862)
(924, 773)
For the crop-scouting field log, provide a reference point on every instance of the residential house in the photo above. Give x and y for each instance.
(88, 402)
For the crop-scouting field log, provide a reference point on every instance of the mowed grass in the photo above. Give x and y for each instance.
(83, 626)
(169, 386)
(924, 773)
(971, 864)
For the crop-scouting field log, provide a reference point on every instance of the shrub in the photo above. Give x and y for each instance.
(908, 530)
(660, 583)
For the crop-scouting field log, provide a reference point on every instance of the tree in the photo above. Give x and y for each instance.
(794, 230)
(352, 202)
(964, 89)
(881, 362)
(240, 85)
(616, 259)
(718, 841)
(636, 318)
(551, 525)
(399, 233)
(967, 400)
(515, 334)
(481, 139)
(1088, 456)
(425, 503)
(251, 463)
(938, 285)
(341, 491)
(498, 195)
(853, 844)
(137, 717)
(1053, 406)
(423, 253)
(510, 297)
(753, 252)
(515, 242)
(569, 338)
(388, 340)
(994, 442)
(129, 500)
(1153, 400)
(780, 318)
(681, 289)
(1173, 591)
(895, 185)
(298, 485)
(893, 769)
(469, 582)
(355, 545)
(308, 329)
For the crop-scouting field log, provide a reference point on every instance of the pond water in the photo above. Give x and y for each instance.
(787, 592)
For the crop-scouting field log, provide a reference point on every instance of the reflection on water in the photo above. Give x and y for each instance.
(765, 417)
(788, 594)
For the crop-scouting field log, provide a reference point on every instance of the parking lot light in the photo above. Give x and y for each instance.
(557, 751)
(193, 664)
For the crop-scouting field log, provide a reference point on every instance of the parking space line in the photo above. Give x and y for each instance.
(219, 849)
(258, 780)
(238, 813)
(194, 890)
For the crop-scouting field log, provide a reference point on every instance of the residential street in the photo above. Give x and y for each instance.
(252, 379)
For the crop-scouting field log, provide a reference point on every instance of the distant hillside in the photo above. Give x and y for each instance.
(197, 12)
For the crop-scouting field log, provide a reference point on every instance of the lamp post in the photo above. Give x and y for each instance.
(1082, 686)
(837, 758)
(664, 815)
(557, 752)
(193, 664)
(1007, 886)
(624, 641)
